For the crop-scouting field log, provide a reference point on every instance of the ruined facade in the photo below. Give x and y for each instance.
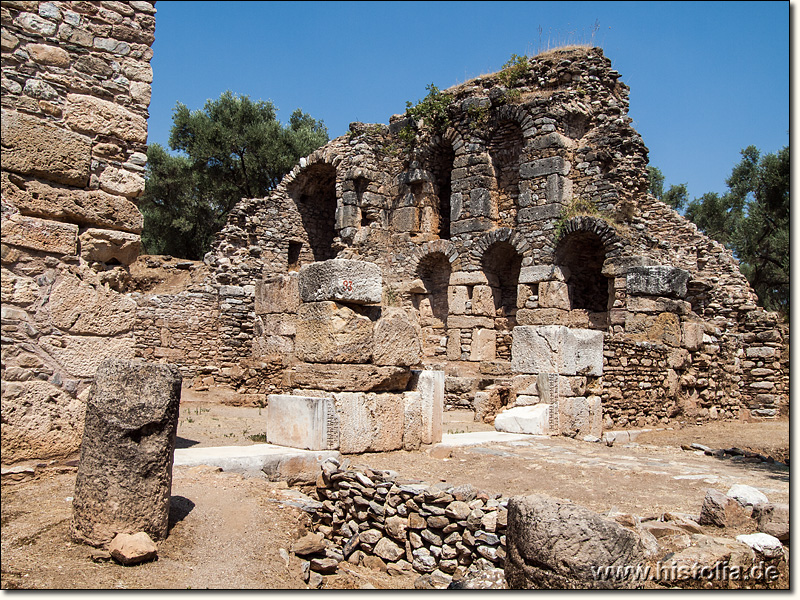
(75, 91)
(515, 245)
(528, 208)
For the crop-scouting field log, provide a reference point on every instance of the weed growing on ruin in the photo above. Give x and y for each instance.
(576, 207)
(478, 115)
(512, 96)
(431, 112)
(390, 296)
(514, 70)
(258, 437)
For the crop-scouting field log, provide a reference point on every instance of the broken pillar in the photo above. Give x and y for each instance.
(430, 384)
(124, 477)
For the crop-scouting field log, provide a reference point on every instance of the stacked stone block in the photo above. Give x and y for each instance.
(75, 91)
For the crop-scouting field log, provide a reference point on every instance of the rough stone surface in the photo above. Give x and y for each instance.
(396, 339)
(346, 377)
(764, 544)
(747, 495)
(80, 308)
(552, 544)
(369, 422)
(94, 115)
(329, 332)
(93, 207)
(125, 472)
(279, 294)
(557, 349)
(75, 95)
(106, 246)
(81, 355)
(33, 147)
(351, 281)
(721, 510)
(40, 420)
(773, 519)
(310, 543)
(132, 549)
(657, 281)
(38, 234)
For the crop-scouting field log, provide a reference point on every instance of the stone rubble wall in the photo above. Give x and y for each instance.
(75, 92)
(409, 525)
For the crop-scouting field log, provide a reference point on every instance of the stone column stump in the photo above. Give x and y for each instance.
(124, 478)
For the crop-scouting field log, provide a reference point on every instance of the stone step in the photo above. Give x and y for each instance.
(278, 462)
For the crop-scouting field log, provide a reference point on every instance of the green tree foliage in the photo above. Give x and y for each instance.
(752, 219)
(676, 196)
(655, 181)
(233, 148)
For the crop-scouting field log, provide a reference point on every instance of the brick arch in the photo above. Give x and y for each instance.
(516, 114)
(445, 247)
(613, 245)
(582, 248)
(432, 189)
(503, 234)
(313, 186)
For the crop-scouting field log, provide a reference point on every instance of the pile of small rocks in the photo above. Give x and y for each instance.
(375, 518)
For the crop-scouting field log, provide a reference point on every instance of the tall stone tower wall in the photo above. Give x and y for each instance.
(75, 93)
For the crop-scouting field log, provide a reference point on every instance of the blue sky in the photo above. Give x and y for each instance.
(707, 78)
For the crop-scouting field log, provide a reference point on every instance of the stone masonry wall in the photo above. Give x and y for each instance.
(75, 91)
(409, 525)
(473, 229)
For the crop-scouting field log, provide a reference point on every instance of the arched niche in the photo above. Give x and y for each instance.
(501, 263)
(314, 193)
(434, 195)
(581, 254)
(505, 148)
(434, 271)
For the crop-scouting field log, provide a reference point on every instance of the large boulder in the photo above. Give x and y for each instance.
(721, 510)
(350, 281)
(773, 519)
(125, 473)
(555, 544)
(396, 339)
(328, 332)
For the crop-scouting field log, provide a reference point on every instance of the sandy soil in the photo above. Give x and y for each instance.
(231, 532)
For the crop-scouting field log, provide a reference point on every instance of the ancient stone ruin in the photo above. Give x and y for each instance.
(124, 477)
(507, 247)
(75, 90)
(517, 248)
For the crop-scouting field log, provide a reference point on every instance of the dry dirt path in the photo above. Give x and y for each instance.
(231, 532)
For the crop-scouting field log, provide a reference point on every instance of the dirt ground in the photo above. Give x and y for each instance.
(231, 532)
